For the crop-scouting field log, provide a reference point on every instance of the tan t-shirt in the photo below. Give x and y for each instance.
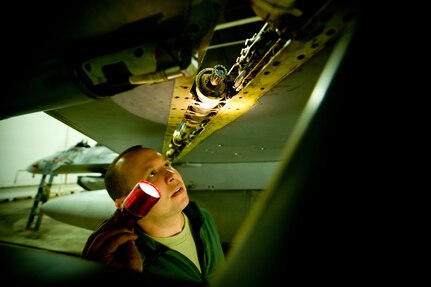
(182, 242)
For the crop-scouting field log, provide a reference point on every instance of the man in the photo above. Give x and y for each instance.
(175, 240)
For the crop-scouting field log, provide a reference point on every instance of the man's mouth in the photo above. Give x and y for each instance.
(178, 190)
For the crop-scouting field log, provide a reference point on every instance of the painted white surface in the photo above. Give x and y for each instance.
(27, 138)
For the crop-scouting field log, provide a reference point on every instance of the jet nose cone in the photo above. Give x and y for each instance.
(34, 167)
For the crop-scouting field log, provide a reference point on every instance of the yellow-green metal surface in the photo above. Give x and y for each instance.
(282, 64)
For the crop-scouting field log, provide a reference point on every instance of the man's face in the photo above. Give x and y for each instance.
(151, 166)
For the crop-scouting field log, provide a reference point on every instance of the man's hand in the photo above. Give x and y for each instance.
(115, 247)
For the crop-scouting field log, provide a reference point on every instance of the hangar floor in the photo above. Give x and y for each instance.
(53, 235)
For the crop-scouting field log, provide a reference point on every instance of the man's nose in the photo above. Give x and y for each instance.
(169, 176)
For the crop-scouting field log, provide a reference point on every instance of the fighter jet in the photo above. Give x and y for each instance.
(80, 158)
(254, 102)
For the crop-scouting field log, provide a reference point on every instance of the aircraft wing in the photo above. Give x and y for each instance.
(128, 79)
(82, 168)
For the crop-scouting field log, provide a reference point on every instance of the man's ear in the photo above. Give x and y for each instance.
(119, 203)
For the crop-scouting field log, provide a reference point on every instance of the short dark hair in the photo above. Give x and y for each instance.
(115, 181)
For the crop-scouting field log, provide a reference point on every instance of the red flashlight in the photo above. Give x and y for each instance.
(138, 203)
